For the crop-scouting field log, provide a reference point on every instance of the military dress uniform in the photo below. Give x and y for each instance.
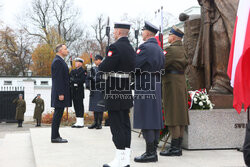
(20, 110)
(118, 64)
(77, 79)
(147, 104)
(174, 92)
(39, 108)
(94, 84)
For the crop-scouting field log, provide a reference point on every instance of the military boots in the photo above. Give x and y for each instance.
(150, 155)
(174, 150)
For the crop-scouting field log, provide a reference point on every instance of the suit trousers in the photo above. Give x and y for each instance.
(151, 135)
(56, 122)
(120, 128)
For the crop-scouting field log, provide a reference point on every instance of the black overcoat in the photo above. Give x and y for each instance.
(60, 83)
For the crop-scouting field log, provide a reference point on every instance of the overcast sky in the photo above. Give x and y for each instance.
(90, 9)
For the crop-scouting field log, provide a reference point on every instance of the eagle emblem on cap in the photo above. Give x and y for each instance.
(138, 51)
(110, 53)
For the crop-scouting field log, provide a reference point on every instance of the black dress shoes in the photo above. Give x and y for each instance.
(99, 126)
(59, 140)
(92, 126)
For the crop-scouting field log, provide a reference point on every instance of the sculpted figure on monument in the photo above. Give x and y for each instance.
(212, 49)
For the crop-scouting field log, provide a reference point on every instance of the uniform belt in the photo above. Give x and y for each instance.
(118, 75)
(174, 72)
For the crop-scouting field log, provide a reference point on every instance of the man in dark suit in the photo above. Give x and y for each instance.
(147, 105)
(60, 93)
(118, 65)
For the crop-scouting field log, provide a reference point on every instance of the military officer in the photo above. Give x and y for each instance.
(118, 65)
(77, 79)
(175, 98)
(147, 104)
(39, 108)
(20, 109)
(93, 83)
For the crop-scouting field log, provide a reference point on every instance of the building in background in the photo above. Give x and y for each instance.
(194, 10)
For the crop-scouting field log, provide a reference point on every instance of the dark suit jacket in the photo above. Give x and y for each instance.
(60, 83)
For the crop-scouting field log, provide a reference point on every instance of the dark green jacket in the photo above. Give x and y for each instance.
(174, 88)
(20, 108)
(39, 108)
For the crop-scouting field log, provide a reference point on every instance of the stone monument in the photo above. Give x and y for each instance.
(207, 43)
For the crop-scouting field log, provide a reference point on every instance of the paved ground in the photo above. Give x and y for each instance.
(92, 148)
(6, 128)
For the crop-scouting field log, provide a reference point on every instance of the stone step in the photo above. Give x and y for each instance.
(16, 151)
(1, 141)
(93, 148)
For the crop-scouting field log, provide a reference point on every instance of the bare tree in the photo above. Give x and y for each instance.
(57, 14)
(99, 28)
(15, 49)
(66, 20)
(136, 24)
(86, 44)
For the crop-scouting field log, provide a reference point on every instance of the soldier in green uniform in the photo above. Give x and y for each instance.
(174, 92)
(39, 108)
(20, 109)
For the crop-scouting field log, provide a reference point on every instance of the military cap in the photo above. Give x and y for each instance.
(176, 31)
(79, 60)
(38, 94)
(20, 95)
(122, 25)
(150, 27)
(98, 57)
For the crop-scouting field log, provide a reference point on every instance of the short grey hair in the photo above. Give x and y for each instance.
(58, 47)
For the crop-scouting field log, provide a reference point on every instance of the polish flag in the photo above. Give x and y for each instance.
(239, 60)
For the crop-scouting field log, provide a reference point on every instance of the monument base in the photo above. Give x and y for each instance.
(215, 129)
(221, 101)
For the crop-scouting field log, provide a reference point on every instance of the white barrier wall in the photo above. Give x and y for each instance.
(33, 86)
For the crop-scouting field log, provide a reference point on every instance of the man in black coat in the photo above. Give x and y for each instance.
(147, 105)
(77, 79)
(118, 65)
(60, 93)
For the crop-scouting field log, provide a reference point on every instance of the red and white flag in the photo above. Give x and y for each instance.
(239, 60)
